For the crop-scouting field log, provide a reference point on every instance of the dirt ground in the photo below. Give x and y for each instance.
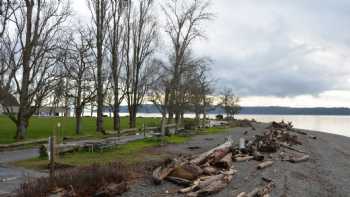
(327, 173)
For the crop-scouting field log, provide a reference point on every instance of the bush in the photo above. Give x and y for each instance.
(219, 117)
(84, 181)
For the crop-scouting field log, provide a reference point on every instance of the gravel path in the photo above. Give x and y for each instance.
(11, 177)
(326, 174)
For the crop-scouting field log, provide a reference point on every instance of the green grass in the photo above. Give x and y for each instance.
(41, 127)
(131, 153)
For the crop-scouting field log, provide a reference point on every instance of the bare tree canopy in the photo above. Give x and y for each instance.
(229, 103)
(141, 43)
(29, 53)
(77, 60)
(184, 21)
(100, 20)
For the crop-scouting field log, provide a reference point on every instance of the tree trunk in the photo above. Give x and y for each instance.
(116, 118)
(132, 116)
(198, 120)
(21, 127)
(132, 119)
(99, 59)
(78, 122)
(162, 124)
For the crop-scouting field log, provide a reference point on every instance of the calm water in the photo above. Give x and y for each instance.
(330, 124)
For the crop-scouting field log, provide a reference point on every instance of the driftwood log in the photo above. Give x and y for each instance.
(226, 162)
(265, 165)
(160, 173)
(299, 159)
(217, 152)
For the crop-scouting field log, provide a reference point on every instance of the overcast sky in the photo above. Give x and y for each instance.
(273, 52)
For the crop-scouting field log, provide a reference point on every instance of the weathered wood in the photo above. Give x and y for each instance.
(189, 189)
(254, 193)
(225, 162)
(179, 181)
(242, 146)
(258, 156)
(212, 185)
(284, 145)
(209, 170)
(187, 171)
(224, 148)
(261, 191)
(244, 158)
(265, 165)
(243, 194)
(17, 144)
(160, 173)
(60, 149)
(299, 159)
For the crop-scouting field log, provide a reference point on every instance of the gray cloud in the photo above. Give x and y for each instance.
(280, 48)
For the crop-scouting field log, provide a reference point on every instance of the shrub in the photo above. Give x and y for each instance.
(84, 181)
(219, 117)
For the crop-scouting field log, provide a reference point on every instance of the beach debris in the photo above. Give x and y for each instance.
(263, 191)
(204, 174)
(302, 158)
(211, 171)
(264, 165)
(313, 137)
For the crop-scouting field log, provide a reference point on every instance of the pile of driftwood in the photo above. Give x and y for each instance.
(202, 175)
(212, 171)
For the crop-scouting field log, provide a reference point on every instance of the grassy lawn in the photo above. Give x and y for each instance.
(41, 127)
(131, 153)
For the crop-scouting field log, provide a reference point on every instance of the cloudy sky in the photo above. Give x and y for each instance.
(273, 52)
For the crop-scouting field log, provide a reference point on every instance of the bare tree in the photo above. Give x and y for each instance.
(77, 60)
(7, 9)
(32, 47)
(229, 103)
(141, 35)
(199, 89)
(99, 11)
(159, 93)
(184, 21)
(118, 10)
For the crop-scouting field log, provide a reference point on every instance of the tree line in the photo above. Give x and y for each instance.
(124, 53)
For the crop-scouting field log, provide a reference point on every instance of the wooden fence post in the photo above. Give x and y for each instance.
(52, 157)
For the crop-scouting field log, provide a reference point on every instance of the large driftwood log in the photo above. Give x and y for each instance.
(187, 171)
(212, 186)
(160, 173)
(216, 152)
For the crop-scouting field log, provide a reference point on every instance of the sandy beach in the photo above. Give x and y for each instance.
(326, 173)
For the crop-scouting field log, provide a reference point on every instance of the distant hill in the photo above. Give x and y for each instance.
(264, 110)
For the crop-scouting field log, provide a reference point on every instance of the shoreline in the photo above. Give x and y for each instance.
(327, 173)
